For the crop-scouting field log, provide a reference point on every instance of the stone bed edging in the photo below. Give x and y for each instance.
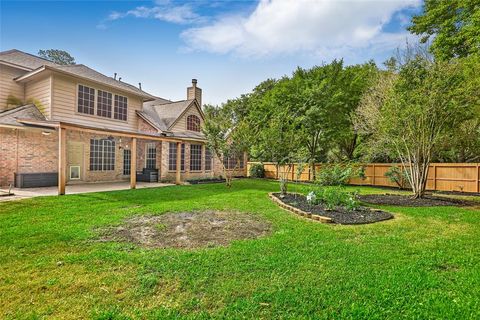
(301, 213)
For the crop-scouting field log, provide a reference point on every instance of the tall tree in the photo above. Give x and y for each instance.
(226, 136)
(58, 56)
(454, 25)
(421, 107)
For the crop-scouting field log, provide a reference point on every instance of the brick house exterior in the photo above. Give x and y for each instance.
(82, 126)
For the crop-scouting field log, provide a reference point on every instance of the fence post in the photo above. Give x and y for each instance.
(373, 176)
(434, 177)
(478, 178)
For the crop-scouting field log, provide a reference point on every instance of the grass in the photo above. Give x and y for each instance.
(423, 264)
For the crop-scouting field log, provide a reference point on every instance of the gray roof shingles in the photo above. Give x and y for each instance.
(28, 111)
(33, 63)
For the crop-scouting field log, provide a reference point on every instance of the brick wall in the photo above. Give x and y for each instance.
(26, 151)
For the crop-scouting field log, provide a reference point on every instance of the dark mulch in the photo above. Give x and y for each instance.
(206, 180)
(408, 201)
(340, 215)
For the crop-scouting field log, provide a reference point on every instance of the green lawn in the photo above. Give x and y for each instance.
(423, 264)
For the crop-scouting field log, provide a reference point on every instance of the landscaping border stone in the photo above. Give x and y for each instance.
(298, 212)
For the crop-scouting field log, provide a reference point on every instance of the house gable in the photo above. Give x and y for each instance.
(180, 124)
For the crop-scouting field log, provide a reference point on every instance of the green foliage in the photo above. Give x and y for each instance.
(418, 107)
(13, 101)
(57, 56)
(337, 196)
(257, 170)
(335, 175)
(397, 176)
(226, 134)
(454, 25)
(394, 265)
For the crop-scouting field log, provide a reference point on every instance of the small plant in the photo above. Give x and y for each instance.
(335, 175)
(257, 171)
(312, 198)
(337, 196)
(362, 174)
(397, 176)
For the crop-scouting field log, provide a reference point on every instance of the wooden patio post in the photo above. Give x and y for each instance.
(133, 164)
(178, 179)
(62, 159)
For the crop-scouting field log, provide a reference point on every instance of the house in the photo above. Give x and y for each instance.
(66, 124)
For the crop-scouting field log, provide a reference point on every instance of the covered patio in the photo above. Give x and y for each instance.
(66, 187)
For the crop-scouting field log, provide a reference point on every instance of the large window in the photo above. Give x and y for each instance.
(102, 154)
(193, 123)
(208, 159)
(86, 99)
(104, 104)
(172, 157)
(195, 157)
(127, 157)
(231, 162)
(120, 109)
(151, 156)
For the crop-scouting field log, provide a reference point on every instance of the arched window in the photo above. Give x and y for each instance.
(193, 123)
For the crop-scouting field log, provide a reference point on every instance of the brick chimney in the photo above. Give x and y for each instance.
(195, 92)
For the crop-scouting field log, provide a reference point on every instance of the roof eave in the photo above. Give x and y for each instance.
(14, 65)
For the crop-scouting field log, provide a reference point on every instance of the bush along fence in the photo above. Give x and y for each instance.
(464, 177)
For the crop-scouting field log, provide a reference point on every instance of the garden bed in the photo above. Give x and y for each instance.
(298, 204)
(206, 180)
(408, 201)
(187, 229)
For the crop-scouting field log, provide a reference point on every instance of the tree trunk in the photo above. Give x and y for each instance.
(418, 180)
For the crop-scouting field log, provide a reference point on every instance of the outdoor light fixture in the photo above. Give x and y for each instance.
(46, 133)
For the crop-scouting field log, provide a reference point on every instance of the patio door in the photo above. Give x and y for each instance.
(75, 161)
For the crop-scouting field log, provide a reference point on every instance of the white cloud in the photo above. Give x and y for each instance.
(301, 26)
(164, 11)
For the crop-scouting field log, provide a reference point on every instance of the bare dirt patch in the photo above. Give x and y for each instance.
(187, 229)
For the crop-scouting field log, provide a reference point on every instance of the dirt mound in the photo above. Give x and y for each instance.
(187, 229)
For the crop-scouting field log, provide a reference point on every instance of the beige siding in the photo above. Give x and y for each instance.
(8, 87)
(181, 124)
(64, 107)
(38, 92)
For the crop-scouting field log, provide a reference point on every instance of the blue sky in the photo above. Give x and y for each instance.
(229, 46)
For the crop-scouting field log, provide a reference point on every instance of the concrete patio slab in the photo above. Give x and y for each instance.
(77, 188)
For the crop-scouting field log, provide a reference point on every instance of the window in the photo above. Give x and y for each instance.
(232, 162)
(195, 157)
(120, 108)
(86, 99)
(102, 154)
(208, 159)
(127, 157)
(242, 161)
(193, 123)
(172, 157)
(104, 104)
(151, 156)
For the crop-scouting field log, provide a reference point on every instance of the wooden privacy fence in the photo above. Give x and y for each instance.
(441, 176)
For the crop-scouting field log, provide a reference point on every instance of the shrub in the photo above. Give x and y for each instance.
(257, 171)
(336, 196)
(397, 176)
(335, 175)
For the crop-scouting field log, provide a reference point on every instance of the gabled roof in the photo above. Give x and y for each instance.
(37, 65)
(164, 115)
(23, 59)
(29, 111)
